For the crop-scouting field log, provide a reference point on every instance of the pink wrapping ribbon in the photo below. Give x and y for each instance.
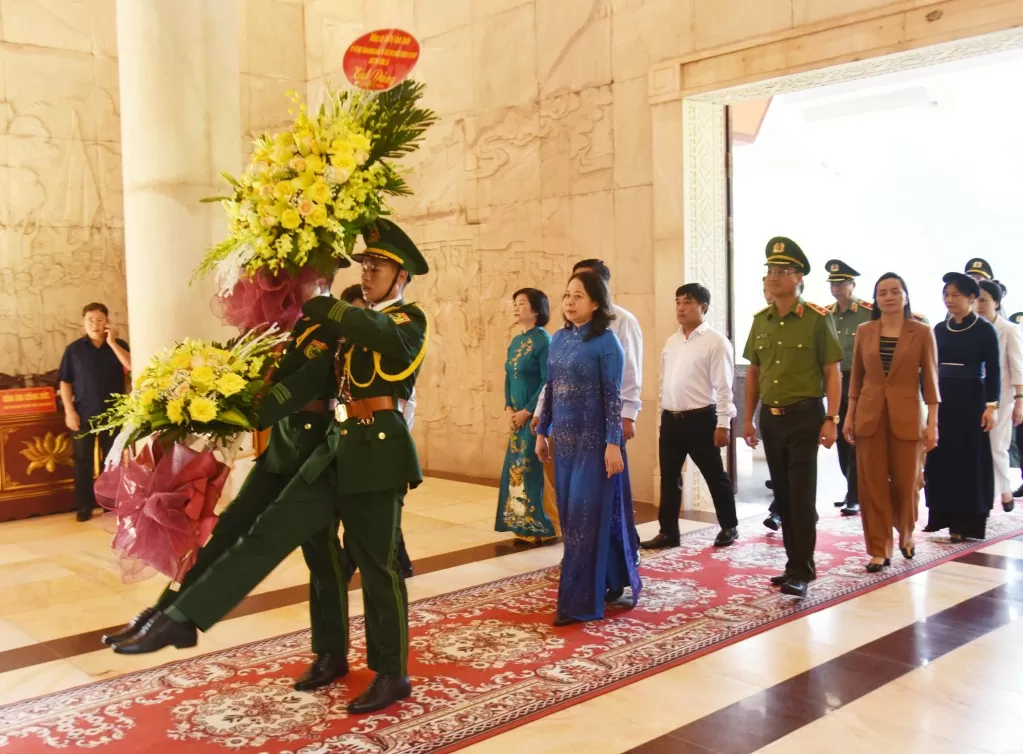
(266, 298)
(164, 502)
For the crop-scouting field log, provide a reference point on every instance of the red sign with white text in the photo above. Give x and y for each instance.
(381, 60)
(28, 400)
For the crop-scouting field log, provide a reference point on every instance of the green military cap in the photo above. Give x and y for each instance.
(978, 266)
(1017, 318)
(839, 271)
(384, 239)
(785, 251)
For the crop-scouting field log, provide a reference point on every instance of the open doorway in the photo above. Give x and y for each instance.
(914, 171)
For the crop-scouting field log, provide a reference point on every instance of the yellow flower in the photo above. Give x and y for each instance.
(359, 142)
(318, 217)
(202, 410)
(281, 155)
(314, 163)
(203, 378)
(181, 359)
(164, 383)
(283, 190)
(319, 192)
(256, 367)
(343, 161)
(284, 139)
(305, 207)
(149, 397)
(290, 219)
(175, 410)
(298, 164)
(230, 383)
(306, 239)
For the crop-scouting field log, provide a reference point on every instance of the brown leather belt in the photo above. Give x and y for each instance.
(319, 407)
(364, 408)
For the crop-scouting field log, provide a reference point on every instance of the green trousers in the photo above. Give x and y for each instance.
(322, 550)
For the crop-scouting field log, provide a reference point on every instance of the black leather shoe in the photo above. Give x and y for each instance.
(83, 516)
(780, 579)
(794, 588)
(660, 542)
(878, 567)
(769, 484)
(726, 537)
(133, 627)
(908, 552)
(613, 595)
(840, 504)
(1019, 492)
(383, 692)
(564, 620)
(1008, 506)
(773, 522)
(159, 632)
(851, 509)
(325, 668)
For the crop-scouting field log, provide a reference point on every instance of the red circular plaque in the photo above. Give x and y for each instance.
(380, 60)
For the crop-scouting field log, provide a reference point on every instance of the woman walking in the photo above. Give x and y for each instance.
(520, 506)
(959, 473)
(1010, 404)
(894, 372)
(583, 414)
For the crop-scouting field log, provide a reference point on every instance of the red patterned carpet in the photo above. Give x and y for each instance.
(484, 659)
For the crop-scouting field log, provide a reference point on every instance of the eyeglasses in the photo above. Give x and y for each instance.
(779, 272)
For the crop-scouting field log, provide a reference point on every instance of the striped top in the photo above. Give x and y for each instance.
(887, 351)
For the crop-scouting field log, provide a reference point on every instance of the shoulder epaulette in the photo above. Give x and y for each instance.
(867, 305)
(819, 309)
(920, 318)
(833, 308)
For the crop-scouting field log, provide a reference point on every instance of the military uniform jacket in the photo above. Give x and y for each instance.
(846, 324)
(378, 354)
(304, 374)
(791, 352)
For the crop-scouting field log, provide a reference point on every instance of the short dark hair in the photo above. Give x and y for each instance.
(597, 265)
(907, 310)
(352, 293)
(95, 306)
(698, 293)
(596, 289)
(995, 289)
(538, 302)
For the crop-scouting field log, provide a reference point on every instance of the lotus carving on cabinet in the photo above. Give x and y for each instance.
(47, 452)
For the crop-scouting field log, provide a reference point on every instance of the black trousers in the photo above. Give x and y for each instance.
(790, 444)
(85, 465)
(847, 452)
(692, 435)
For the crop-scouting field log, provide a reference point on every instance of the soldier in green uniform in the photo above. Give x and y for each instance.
(848, 312)
(292, 438)
(358, 474)
(794, 355)
(979, 269)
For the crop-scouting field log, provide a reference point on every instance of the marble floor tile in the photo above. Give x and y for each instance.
(28, 683)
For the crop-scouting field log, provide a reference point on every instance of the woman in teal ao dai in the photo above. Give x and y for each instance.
(520, 505)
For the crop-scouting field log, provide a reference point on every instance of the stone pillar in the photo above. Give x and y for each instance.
(178, 63)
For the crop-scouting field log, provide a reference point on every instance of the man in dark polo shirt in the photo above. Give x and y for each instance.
(92, 370)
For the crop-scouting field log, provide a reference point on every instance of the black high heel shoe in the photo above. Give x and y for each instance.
(878, 567)
(908, 552)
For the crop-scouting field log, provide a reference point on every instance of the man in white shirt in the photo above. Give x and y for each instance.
(630, 335)
(697, 367)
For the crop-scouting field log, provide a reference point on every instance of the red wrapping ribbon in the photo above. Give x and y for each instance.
(268, 298)
(164, 502)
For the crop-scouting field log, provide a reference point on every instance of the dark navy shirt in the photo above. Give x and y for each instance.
(94, 374)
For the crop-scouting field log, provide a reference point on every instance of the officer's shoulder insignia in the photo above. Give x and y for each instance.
(819, 309)
(920, 318)
(866, 305)
(833, 307)
(400, 318)
(314, 349)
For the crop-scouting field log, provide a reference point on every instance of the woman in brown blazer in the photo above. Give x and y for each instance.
(893, 358)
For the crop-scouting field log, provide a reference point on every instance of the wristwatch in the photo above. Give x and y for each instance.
(837, 419)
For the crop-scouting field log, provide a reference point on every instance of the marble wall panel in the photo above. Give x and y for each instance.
(60, 24)
(648, 31)
(633, 154)
(448, 57)
(504, 59)
(634, 242)
(330, 26)
(273, 36)
(55, 88)
(435, 17)
(573, 44)
(389, 14)
(576, 142)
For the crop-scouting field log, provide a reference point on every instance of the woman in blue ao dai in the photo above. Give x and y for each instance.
(583, 414)
(520, 503)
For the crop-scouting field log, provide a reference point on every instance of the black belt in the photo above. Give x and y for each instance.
(807, 404)
(691, 412)
(947, 371)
